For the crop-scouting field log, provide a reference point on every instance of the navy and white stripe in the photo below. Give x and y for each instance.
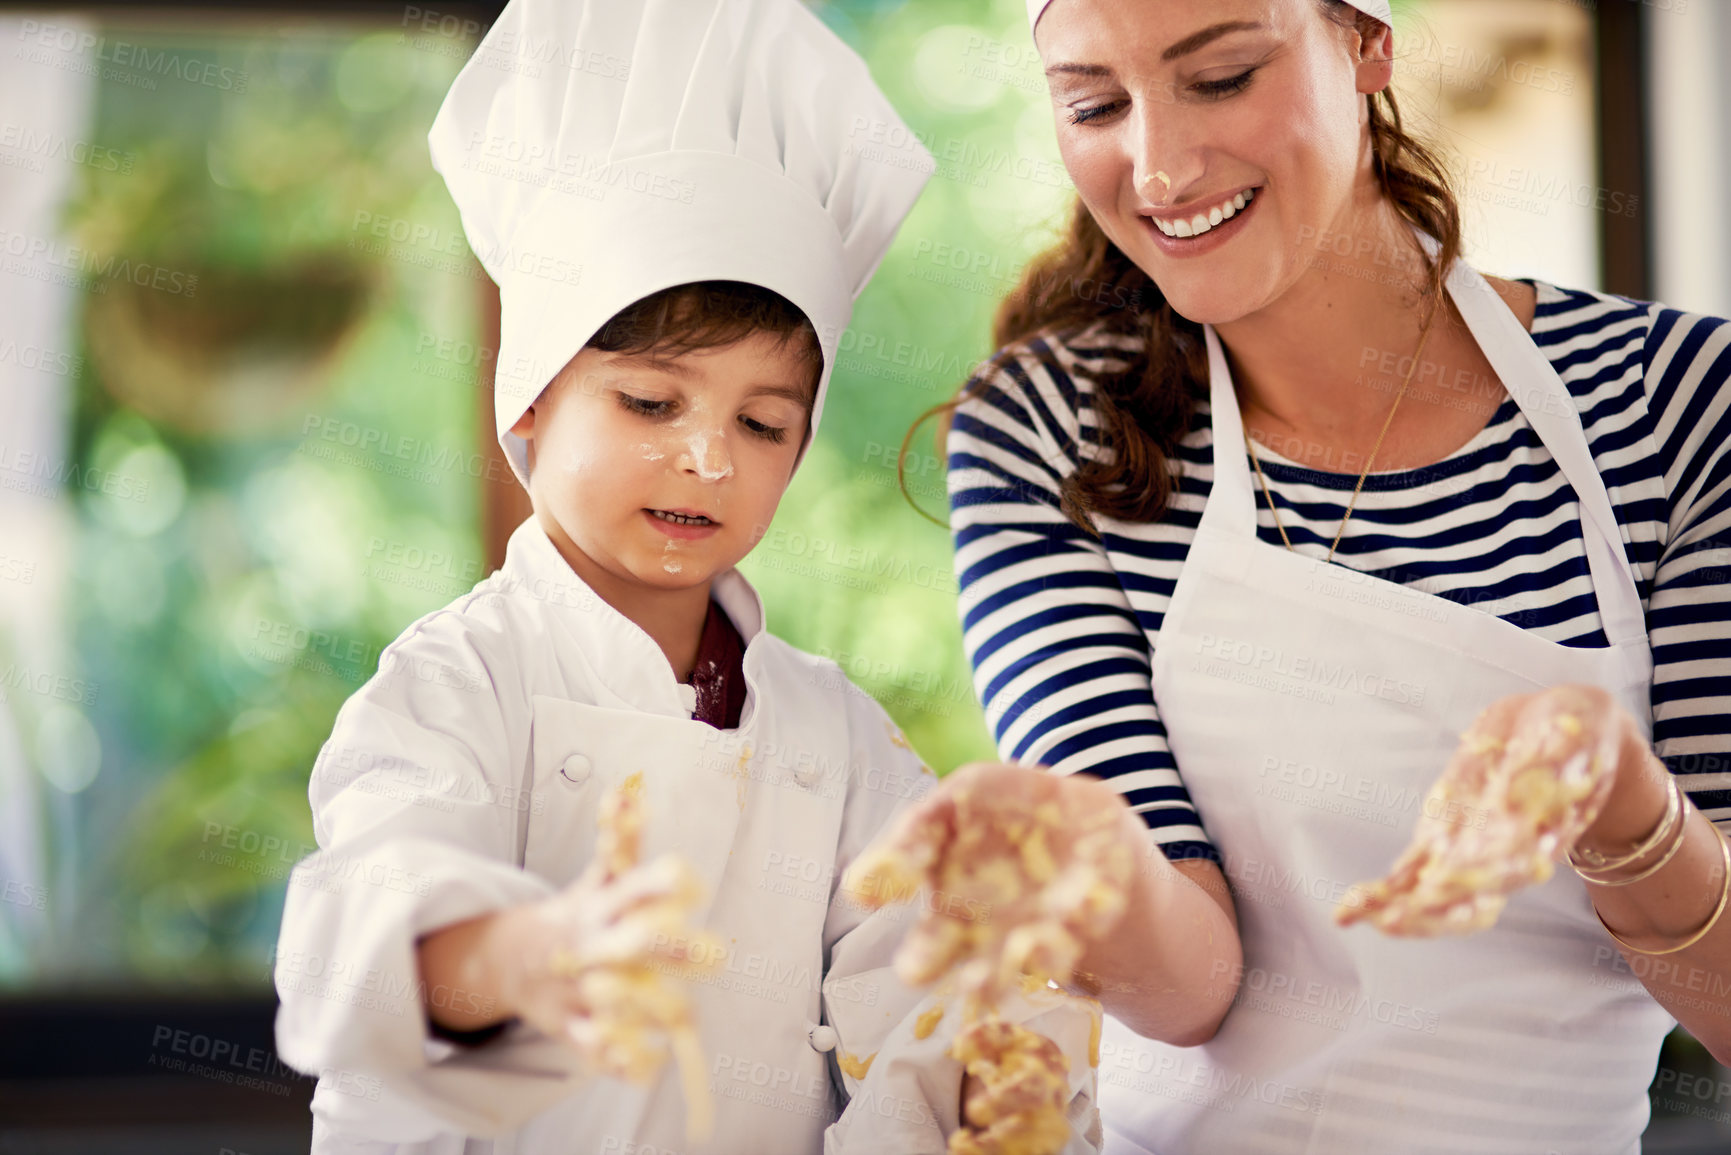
(1060, 626)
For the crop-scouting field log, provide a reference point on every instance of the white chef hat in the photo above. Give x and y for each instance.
(1376, 8)
(603, 150)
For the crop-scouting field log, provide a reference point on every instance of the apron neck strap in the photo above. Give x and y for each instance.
(1549, 407)
(1536, 388)
(1232, 488)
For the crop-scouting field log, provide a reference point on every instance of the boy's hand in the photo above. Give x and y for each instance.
(1025, 869)
(1014, 1092)
(587, 965)
(1529, 776)
(597, 964)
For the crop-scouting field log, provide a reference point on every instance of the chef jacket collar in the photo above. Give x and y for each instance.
(634, 669)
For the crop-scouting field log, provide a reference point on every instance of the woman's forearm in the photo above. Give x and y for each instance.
(1670, 906)
(1170, 969)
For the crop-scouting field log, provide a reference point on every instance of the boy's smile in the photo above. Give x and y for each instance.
(653, 474)
(688, 524)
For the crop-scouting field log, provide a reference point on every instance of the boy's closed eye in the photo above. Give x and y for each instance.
(647, 406)
(772, 433)
(769, 427)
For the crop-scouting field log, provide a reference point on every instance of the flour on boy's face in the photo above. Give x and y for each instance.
(660, 473)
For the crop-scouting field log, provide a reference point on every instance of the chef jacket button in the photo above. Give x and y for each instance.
(823, 1038)
(687, 696)
(576, 769)
(805, 775)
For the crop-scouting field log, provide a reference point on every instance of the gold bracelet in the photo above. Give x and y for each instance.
(1670, 853)
(1712, 919)
(1591, 859)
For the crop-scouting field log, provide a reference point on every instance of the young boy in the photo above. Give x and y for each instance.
(666, 192)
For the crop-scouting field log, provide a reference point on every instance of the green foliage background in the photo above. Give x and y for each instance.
(228, 616)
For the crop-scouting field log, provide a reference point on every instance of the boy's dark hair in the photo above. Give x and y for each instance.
(709, 315)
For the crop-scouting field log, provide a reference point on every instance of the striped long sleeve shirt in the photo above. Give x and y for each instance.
(1060, 626)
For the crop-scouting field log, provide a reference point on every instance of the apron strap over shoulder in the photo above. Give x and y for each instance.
(1541, 395)
(1550, 408)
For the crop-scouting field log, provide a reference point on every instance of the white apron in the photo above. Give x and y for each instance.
(1310, 708)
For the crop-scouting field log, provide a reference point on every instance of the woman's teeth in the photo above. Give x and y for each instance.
(1202, 222)
(680, 518)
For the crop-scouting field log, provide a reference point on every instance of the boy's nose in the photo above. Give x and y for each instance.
(705, 454)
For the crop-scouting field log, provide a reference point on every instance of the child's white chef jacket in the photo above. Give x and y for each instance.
(465, 777)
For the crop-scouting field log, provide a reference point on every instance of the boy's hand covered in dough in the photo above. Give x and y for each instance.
(1013, 1100)
(592, 966)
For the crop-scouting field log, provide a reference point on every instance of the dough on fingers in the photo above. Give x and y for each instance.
(1019, 884)
(608, 978)
(1529, 777)
(1015, 1102)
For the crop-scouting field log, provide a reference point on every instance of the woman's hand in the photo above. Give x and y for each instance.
(1530, 776)
(1025, 869)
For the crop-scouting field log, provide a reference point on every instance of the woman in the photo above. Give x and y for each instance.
(1192, 542)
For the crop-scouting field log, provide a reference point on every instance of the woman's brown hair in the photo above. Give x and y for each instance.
(1144, 409)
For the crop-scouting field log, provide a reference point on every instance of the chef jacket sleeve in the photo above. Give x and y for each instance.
(1061, 660)
(904, 1091)
(419, 806)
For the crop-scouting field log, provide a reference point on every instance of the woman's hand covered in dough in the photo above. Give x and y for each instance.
(1528, 778)
(1024, 869)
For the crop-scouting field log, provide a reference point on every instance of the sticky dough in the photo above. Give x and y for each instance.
(1529, 776)
(1004, 855)
(1016, 1106)
(632, 1003)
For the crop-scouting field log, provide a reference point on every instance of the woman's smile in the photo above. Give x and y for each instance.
(1194, 232)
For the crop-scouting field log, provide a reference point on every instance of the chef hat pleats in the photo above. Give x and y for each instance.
(1376, 8)
(603, 150)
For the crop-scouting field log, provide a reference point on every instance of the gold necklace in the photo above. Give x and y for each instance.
(1424, 335)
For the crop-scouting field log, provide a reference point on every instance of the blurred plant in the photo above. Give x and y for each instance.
(230, 310)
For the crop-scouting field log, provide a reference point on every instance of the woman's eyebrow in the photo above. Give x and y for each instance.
(1184, 47)
(1207, 36)
(1089, 70)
